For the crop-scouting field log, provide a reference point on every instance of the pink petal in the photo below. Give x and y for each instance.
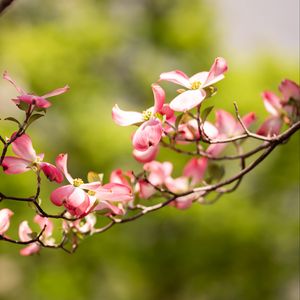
(8, 78)
(159, 97)
(57, 92)
(78, 202)
(90, 186)
(177, 185)
(199, 77)
(196, 169)
(61, 163)
(146, 190)
(25, 232)
(146, 156)
(51, 172)
(147, 135)
(225, 122)
(216, 72)
(15, 165)
(177, 77)
(5, 215)
(23, 148)
(112, 209)
(30, 249)
(272, 103)
(42, 222)
(168, 112)
(187, 100)
(114, 192)
(289, 89)
(210, 130)
(60, 195)
(117, 176)
(270, 127)
(34, 100)
(125, 118)
(158, 172)
(248, 120)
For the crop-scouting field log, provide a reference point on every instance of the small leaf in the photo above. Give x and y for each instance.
(93, 176)
(33, 235)
(206, 113)
(23, 106)
(34, 118)
(178, 120)
(40, 109)
(13, 120)
(215, 172)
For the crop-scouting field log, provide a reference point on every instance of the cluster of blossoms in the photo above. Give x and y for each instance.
(183, 125)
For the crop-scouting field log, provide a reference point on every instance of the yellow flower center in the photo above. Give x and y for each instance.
(77, 182)
(196, 85)
(147, 114)
(91, 193)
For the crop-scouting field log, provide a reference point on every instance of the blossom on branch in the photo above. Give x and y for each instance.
(5, 215)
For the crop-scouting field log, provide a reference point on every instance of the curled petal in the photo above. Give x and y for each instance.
(216, 72)
(61, 163)
(195, 169)
(177, 185)
(270, 127)
(118, 176)
(177, 77)
(159, 97)
(23, 148)
(126, 118)
(272, 103)
(168, 112)
(61, 195)
(78, 202)
(146, 190)
(110, 209)
(5, 215)
(52, 172)
(57, 92)
(34, 100)
(225, 122)
(289, 89)
(147, 135)
(30, 249)
(25, 232)
(146, 156)
(15, 165)
(114, 192)
(44, 223)
(8, 78)
(187, 100)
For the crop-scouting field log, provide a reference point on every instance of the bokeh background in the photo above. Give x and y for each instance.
(246, 246)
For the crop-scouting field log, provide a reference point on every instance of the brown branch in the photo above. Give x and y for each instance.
(4, 4)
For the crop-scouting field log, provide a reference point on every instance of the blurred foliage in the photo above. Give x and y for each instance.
(243, 247)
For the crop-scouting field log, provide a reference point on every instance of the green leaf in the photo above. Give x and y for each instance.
(13, 120)
(93, 176)
(206, 113)
(178, 120)
(23, 106)
(215, 172)
(34, 118)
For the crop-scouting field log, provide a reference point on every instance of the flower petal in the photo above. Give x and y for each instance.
(114, 192)
(30, 249)
(23, 148)
(216, 72)
(146, 156)
(57, 92)
(61, 163)
(15, 165)
(195, 169)
(159, 97)
(5, 215)
(289, 89)
(60, 195)
(8, 78)
(187, 100)
(78, 202)
(147, 135)
(52, 172)
(270, 127)
(272, 103)
(25, 232)
(44, 223)
(177, 77)
(126, 118)
(225, 122)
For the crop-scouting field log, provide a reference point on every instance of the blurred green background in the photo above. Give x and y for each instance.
(246, 246)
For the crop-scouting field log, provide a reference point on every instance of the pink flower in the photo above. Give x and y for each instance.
(281, 110)
(151, 129)
(228, 127)
(39, 101)
(25, 234)
(26, 159)
(5, 215)
(196, 85)
(146, 156)
(73, 196)
(195, 169)
(158, 172)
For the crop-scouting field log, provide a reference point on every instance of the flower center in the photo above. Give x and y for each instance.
(77, 182)
(147, 114)
(91, 193)
(196, 85)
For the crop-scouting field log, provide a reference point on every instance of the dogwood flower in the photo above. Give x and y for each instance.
(39, 101)
(198, 87)
(25, 235)
(26, 159)
(150, 130)
(5, 215)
